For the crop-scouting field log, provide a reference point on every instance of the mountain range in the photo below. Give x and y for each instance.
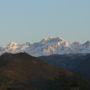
(47, 46)
(50, 64)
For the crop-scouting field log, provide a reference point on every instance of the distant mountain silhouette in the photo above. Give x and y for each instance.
(68, 61)
(84, 68)
(76, 63)
(24, 72)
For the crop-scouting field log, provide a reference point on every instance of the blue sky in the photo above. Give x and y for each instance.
(32, 20)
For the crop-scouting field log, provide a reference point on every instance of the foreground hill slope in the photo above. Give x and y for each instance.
(24, 72)
(22, 69)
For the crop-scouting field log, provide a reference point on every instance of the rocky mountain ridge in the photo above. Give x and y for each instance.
(48, 46)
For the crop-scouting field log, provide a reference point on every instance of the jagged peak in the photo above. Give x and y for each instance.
(87, 43)
(11, 44)
(47, 46)
(52, 39)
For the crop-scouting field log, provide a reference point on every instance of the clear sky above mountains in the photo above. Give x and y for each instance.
(32, 20)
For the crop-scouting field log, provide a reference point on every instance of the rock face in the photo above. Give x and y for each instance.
(48, 46)
(24, 72)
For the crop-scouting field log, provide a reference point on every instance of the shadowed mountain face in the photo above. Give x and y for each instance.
(24, 72)
(84, 68)
(79, 64)
(68, 62)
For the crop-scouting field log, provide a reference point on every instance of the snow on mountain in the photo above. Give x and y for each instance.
(51, 40)
(12, 46)
(48, 46)
(85, 48)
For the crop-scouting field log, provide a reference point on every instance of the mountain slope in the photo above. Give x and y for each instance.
(68, 61)
(24, 72)
(84, 68)
(76, 63)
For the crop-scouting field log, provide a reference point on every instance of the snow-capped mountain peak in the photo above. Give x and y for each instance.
(47, 46)
(52, 40)
(12, 45)
(87, 44)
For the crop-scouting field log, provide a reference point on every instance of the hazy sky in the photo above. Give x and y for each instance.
(32, 20)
